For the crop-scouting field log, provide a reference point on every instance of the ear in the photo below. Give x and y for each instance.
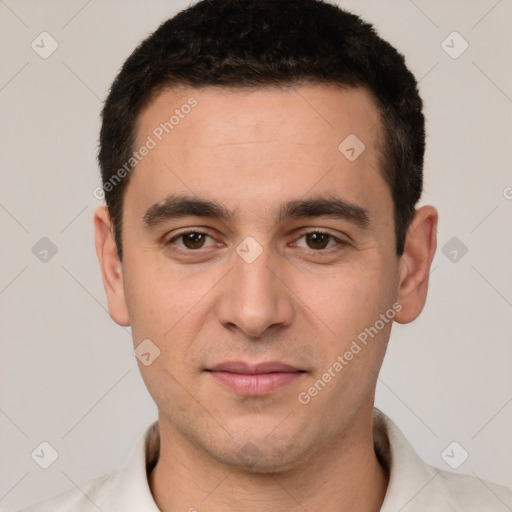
(111, 266)
(420, 247)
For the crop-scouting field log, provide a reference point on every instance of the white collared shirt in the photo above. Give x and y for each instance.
(413, 486)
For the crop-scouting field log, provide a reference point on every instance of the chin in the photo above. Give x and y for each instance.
(257, 454)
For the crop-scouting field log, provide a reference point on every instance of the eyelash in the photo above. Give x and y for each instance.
(338, 245)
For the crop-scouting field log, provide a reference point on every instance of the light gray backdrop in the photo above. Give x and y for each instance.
(68, 375)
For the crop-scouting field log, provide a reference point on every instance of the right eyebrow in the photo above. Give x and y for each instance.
(175, 206)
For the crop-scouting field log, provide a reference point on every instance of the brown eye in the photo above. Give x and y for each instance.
(193, 240)
(317, 240)
(190, 240)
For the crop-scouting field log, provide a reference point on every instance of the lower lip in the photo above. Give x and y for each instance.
(257, 384)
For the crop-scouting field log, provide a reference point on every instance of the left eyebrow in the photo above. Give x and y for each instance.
(325, 206)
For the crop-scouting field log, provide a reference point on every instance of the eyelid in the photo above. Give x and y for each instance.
(298, 236)
(188, 231)
(321, 231)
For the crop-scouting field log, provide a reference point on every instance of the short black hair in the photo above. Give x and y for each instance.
(269, 43)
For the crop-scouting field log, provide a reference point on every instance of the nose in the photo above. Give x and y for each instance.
(255, 296)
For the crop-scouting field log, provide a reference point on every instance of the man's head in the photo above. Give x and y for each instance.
(251, 44)
(283, 152)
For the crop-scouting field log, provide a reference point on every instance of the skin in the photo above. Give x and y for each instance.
(251, 151)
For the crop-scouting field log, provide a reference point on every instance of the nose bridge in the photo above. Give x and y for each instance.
(254, 298)
(251, 269)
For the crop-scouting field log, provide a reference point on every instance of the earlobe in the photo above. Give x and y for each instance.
(111, 267)
(420, 248)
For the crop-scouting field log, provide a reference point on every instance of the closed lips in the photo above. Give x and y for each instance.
(242, 367)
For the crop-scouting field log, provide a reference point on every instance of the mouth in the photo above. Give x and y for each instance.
(254, 379)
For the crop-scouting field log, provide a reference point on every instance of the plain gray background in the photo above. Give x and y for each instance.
(68, 374)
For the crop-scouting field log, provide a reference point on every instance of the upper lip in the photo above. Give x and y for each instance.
(252, 369)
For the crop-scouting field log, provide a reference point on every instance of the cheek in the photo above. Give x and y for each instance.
(155, 300)
(169, 307)
(349, 295)
(345, 306)
(165, 309)
(348, 309)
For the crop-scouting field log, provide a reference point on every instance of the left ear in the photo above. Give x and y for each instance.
(420, 247)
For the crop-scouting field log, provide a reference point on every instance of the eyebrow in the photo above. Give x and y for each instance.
(323, 206)
(176, 206)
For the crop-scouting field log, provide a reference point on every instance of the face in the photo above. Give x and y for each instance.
(257, 252)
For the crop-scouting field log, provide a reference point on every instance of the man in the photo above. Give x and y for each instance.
(262, 162)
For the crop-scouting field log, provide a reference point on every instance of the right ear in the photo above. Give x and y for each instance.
(111, 266)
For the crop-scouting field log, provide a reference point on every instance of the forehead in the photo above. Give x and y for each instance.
(258, 143)
(326, 113)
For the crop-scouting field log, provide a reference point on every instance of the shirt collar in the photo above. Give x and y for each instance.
(410, 478)
(133, 492)
(408, 474)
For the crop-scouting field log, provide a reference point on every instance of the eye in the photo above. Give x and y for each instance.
(318, 240)
(191, 240)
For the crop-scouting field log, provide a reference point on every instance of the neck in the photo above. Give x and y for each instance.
(341, 476)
